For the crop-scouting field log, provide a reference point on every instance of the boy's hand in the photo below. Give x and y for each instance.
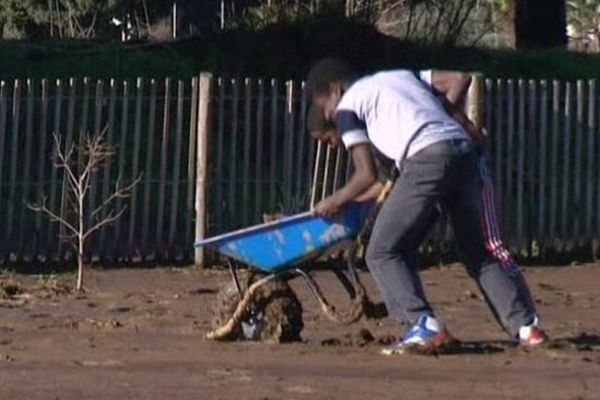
(327, 207)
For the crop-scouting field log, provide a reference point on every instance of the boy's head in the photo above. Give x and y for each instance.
(319, 128)
(326, 83)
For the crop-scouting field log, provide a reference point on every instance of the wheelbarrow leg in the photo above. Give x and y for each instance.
(349, 278)
(254, 317)
(234, 277)
(355, 311)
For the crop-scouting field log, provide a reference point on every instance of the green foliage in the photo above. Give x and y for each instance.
(584, 16)
(284, 50)
(74, 18)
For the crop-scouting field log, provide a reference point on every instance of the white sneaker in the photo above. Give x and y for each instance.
(533, 334)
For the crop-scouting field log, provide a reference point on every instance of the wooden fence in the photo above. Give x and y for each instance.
(217, 154)
(545, 152)
(153, 126)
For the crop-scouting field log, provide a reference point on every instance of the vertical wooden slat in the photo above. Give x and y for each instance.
(288, 143)
(542, 163)
(98, 130)
(310, 171)
(3, 109)
(83, 128)
(326, 172)
(83, 122)
(58, 94)
(233, 153)
(520, 161)
(273, 139)
(99, 103)
(148, 175)
(596, 175)
(26, 180)
(300, 151)
(337, 169)
(475, 99)
(314, 196)
(531, 147)
(71, 112)
(260, 106)
(16, 111)
(499, 137)
(204, 118)
(176, 165)
(41, 174)
(578, 204)
(475, 112)
(247, 146)
(68, 143)
(135, 163)
(591, 160)
(219, 164)
(191, 173)
(554, 160)
(510, 156)
(566, 161)
(121, 161)
(164, 154)
(488, 97)
(106, 178)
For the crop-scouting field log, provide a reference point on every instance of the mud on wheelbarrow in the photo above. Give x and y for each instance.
(259, 304)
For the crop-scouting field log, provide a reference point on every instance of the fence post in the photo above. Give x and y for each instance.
(474, 104)
(204, 122)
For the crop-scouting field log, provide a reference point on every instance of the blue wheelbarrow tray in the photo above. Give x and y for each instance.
(276, 245)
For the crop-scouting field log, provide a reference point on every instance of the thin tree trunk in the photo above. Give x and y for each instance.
(540, 23)
(80, 243)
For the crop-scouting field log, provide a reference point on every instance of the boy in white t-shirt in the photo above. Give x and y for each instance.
(426, 137)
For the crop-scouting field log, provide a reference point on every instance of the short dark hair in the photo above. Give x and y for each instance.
(325, 72)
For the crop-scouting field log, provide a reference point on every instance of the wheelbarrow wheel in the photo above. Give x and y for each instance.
(273, 315)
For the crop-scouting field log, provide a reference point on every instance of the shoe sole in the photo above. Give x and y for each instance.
(533, 344)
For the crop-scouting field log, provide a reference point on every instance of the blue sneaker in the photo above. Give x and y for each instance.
(427, 336)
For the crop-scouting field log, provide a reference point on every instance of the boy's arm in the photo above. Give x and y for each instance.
(452, 87)
(362, 179)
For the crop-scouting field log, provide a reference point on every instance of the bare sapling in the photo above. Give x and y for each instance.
(80, 164)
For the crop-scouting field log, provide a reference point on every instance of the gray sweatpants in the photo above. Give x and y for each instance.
(444, 173)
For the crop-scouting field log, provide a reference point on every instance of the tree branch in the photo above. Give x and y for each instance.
(53, 217)
(110, 218)
(117, 194)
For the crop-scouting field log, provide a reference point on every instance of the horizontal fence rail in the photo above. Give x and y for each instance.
(221, 156)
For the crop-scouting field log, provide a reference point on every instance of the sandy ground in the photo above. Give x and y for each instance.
(138, 334)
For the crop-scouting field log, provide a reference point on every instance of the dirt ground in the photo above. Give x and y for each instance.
(138, 334)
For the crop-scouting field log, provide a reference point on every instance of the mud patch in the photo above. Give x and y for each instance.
(51, 287)
(581, 343)
(360, 338)
(275, 315)
(10, 287)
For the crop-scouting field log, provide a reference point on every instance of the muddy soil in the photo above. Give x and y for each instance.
(138, 334)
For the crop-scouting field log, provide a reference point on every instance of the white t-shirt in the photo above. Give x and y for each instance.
(397, 112)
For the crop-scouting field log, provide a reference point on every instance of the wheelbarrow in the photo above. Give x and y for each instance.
(258, 304)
